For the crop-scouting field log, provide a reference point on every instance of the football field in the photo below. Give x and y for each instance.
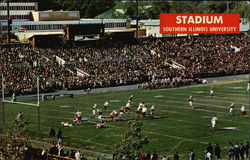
(176, 127)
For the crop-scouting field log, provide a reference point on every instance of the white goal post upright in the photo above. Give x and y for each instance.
(38, 105)
(3, 115)
(23, 103)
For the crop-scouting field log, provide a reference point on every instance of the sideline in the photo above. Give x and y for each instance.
(215, 81)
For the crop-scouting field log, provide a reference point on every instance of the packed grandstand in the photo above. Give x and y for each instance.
(91, 80)
(151, 63)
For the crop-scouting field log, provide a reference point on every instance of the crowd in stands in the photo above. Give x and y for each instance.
(142, 63)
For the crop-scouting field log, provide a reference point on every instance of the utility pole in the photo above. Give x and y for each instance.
(137, 18)
(8, 19)
(227, 7)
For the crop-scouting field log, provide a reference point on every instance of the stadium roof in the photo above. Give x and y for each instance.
(154, 22)
(244, 27)
(112, 13)
(81, 21)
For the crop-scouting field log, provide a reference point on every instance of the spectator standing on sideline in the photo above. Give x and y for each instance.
(210, 148)
(148, 156)
(176, 156)
(164, 158)
(247, 149)
(52, 132)
(14, 97)
(154, 156)
(217, 151)
(78, 155)
(237, 151)
(231, 152)
(191, 155)
(59, 133)
(242, 151)
(71, 154)
(209, 156)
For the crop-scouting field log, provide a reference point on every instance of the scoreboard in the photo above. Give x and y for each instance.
(84, 30)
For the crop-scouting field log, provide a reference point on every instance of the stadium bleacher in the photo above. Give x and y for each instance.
(123, 64)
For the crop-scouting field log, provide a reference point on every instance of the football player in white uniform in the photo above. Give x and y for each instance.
(190, 101)
(214, 121)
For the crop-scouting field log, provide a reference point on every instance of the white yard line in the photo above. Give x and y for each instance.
(176, 137)
(166, 135)
(221, 119)
(208, 99)
(199, 85)
(176, 146)
(203, 99)
(89, 141)
(195, 104)
(154, 133)
(200, 95)
(97, 135)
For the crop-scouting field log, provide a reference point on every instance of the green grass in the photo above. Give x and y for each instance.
(176, 128)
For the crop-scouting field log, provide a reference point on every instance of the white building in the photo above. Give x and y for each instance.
(18, 10)
(153, 28)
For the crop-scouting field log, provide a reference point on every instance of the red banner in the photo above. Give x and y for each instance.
(199, 23)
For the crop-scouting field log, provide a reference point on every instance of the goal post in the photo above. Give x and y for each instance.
(2, 107)
(2, 123)
(2, 115)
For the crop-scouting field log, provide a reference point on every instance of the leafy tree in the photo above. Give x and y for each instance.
(178, 7)
(220, 7)
(243, 8)
(187, 7)
(48, 5)
(132, 141)
(87, 8)
(194, 6)
(14, 142)
(130, 10)
(156, 9)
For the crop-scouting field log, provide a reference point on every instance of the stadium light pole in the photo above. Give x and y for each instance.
(227, 7)
(8, 20)
(137, 17)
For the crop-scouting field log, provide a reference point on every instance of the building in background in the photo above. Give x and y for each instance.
(28, 21)
(153, 28)
(18, 11)
(55, 15)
